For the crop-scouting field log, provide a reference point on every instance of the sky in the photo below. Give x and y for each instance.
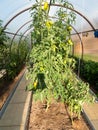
(8, 8)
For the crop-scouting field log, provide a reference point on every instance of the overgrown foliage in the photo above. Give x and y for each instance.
(50, 66)
(12, 62)
(3, 47)
(16, 60)
(3, 36)
(89, 72)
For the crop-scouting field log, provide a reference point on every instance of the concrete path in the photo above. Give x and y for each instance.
(16, 113)
(91, 113)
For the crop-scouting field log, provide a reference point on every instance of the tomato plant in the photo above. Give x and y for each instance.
(50, 65)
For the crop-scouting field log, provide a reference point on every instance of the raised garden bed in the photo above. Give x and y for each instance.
(55, 118)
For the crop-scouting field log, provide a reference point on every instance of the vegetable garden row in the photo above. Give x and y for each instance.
(50, 63)
(12, 60)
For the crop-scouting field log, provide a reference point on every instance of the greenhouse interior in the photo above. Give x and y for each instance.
(49, 65)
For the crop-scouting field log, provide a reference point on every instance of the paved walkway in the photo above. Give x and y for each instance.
(16, 114)
(91, 113)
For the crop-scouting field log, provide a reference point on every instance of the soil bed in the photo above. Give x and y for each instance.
(55, 118)
(6, 87)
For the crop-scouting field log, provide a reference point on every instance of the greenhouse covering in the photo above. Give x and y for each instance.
(16, 18)
(55, 43)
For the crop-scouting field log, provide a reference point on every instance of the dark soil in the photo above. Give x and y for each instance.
(55, 117)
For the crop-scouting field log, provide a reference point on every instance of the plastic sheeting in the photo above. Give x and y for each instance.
(88, 8)
(17, 20)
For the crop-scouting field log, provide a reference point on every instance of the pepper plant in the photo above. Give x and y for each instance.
(50, 64)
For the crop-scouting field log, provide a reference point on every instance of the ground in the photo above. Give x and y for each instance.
(55, 118)
(6, 88)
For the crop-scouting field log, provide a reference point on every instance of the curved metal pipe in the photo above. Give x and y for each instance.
(21, 38)
(51, 5)
(27, 29)
(75, 12)
(80, 42)
(17, 32)
(79, 64)
(78, 36)
(74, 30)
(20, 29)
(5, 26)
(73, 47)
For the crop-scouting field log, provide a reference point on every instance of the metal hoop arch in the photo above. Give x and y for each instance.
(5, 26)
(17, 33)
(73, 29)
